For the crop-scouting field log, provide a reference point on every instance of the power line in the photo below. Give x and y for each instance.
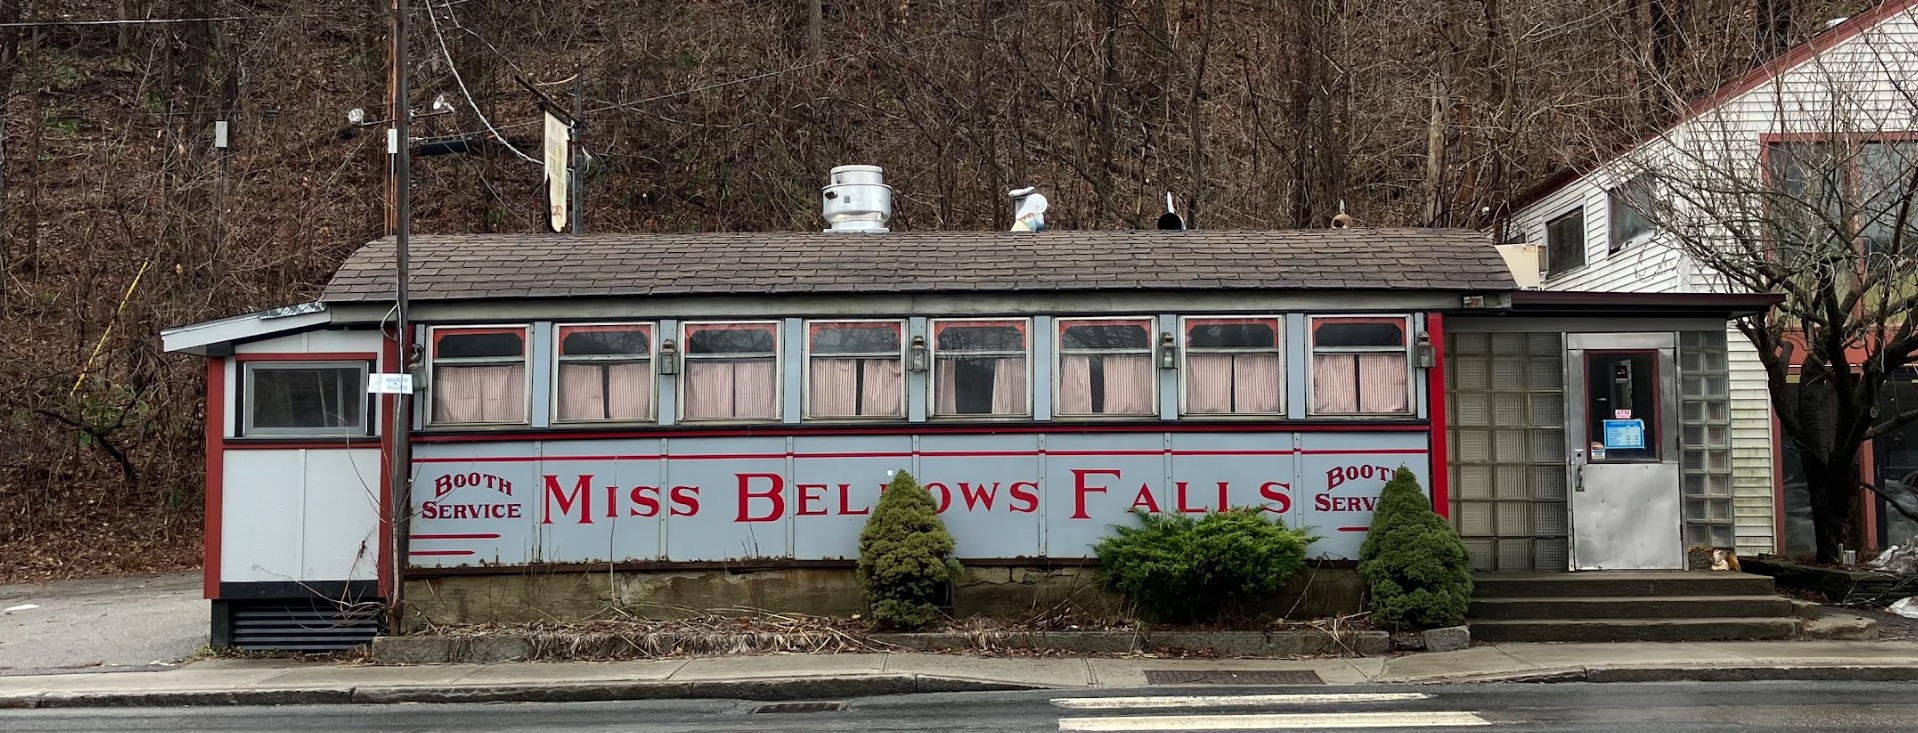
(148, 21)
(461, 83)
(955, 27)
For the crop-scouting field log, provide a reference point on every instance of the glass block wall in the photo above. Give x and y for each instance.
(1705, 438)
(1505, 405)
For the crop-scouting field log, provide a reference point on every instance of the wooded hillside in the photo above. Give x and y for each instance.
(121, 217)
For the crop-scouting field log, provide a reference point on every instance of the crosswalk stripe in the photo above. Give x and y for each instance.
(1274, 721)
(1221, 701)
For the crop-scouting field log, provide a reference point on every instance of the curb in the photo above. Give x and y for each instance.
(1603, 674)
(765, 690)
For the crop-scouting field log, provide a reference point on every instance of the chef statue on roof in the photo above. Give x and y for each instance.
(1031, 214)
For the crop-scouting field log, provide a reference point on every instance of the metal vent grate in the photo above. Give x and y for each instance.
(313, 625)
(800, 707)
(1231, 677)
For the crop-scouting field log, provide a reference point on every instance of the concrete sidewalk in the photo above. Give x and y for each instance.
(798, 676)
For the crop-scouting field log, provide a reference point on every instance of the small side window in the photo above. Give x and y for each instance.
(1625, 203)
(304, 399)
(478, 376)
(1565, 243)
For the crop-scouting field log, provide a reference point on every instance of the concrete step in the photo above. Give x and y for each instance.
(1619, 584)
(1544, 609)
(1604, 630)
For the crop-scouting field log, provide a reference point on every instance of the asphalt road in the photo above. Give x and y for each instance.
(1568, 708)
(101, 625)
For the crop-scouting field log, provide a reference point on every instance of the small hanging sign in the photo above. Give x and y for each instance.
(389, 384)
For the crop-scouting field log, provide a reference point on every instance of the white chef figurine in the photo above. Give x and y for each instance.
(1031, 216)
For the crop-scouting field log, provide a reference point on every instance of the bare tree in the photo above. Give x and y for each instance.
(1803, 188)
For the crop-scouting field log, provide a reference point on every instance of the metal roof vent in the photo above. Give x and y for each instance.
(858, 200)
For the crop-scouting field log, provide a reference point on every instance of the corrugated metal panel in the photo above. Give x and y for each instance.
(304, 625)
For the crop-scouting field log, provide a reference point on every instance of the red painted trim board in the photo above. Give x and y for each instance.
(215, 471)
(1440, 469)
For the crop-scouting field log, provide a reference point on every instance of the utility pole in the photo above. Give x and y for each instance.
(579, 134)
(399, 144)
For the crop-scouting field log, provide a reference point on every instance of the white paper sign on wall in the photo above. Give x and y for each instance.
(389, 384)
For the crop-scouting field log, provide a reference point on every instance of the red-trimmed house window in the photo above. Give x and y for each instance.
(732, 371)
(1234, 366)
(605, 373)
(1106, 369)
(1842, 190)
(981, 368)
(1361, 365)
(478, 375)
(855, 369)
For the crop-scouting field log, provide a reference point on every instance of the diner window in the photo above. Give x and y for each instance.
(605, 373)
(1105, 367)
(1565, 243)
(478, 375)
(980, 368)
(1360, 366)
(732, 371)
(1234, 366)
(304, 399)
(855, 369)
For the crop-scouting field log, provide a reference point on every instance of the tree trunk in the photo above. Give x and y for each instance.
(1833, 490)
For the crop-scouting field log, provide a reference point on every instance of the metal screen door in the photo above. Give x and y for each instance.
(1622, 451)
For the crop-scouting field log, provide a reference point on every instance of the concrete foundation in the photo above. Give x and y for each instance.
(531, 594)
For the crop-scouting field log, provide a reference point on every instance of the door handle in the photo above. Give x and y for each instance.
(1577, 467)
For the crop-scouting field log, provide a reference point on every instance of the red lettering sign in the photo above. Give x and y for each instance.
(581, 495)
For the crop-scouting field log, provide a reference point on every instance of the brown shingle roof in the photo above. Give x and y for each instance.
(473, 266)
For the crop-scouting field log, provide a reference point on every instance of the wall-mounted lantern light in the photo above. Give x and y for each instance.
(918, 361)
(1168, 351)
(668, 357)
(1425, 356)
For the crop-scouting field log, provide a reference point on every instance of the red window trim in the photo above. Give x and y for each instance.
(813, 328)
(1065, 323)
(767, 326)
(1276, 322)
(1403, 322)
(559, 337)
(1025, 339)
(316, 356)
(441, 332)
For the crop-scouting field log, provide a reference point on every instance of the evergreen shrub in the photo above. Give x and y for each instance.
(1414, 563)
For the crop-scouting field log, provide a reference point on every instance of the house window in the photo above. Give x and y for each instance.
(605, 373)
(732, 371)
(304, 399)
(1624, 205)
(1360, 366)
(1234, 366)
(980, 368)
(479, 375)
(855, 369)
(1565, 243)
(1843, 192)
(1105, 368)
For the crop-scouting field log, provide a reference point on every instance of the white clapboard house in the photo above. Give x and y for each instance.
(1856, 83)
